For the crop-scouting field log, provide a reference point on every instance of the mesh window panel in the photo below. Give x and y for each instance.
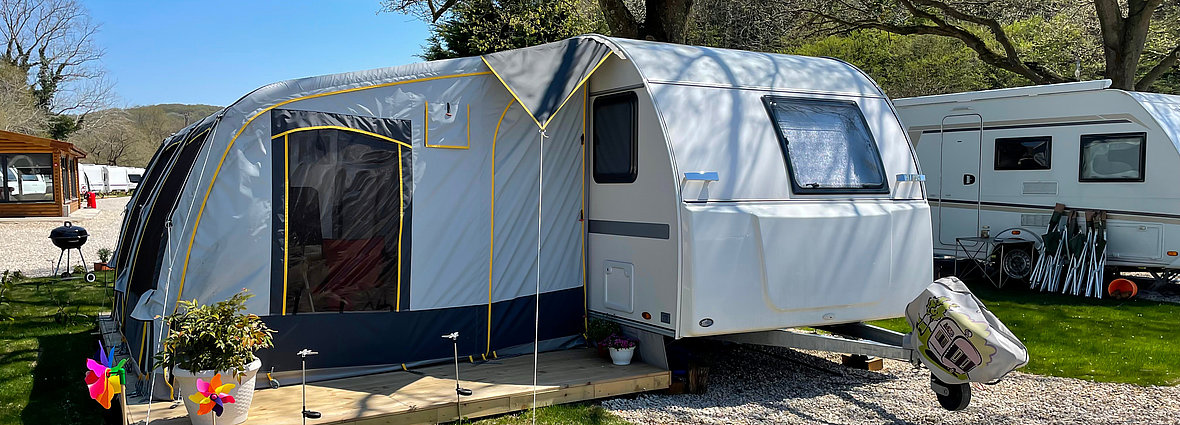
(828, 146)
(348, 200)
(1112, 157)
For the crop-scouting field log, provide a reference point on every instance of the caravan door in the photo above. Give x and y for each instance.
(958, 206)
(631, 242)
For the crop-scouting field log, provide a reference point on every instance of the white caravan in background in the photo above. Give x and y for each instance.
(93, 178)
(117, 178)
(134, 175)
(999, 160)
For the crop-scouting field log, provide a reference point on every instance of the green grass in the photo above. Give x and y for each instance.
(566, 414)
(43, 356)
(1098, 340)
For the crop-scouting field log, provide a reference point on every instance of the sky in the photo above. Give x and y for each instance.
(215, 51)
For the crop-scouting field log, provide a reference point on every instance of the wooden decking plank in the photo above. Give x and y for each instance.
(499, 386)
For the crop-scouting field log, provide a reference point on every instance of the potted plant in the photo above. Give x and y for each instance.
(104, 255)
(597, 331)
(621, 348)
(205, 340)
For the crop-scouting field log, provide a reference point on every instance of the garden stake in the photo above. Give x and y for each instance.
(454, 337)
(307, 414)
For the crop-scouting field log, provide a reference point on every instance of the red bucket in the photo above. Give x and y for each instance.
(1122, 289)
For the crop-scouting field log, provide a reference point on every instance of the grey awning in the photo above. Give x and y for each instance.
(542, 78)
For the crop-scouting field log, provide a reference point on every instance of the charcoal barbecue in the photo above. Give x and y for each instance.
(67, 237)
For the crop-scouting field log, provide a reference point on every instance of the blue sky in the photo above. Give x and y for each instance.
(215, 51)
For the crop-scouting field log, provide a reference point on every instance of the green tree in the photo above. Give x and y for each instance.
(1126, 30)
(18, 106)
(52, 43)
(475, 27)
(905, 66)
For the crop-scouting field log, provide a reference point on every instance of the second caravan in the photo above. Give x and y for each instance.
(998, 161)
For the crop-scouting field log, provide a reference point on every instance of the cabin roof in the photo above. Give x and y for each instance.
(21, 138)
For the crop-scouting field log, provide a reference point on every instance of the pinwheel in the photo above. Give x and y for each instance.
(212, 395)
(105, 381)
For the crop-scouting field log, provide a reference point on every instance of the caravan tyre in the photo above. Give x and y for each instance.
(952, 397)
(1017, 262)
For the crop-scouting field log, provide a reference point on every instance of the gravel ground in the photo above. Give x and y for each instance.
(25, 245)
(771, 385)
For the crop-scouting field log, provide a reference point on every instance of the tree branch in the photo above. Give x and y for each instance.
(1164, 66)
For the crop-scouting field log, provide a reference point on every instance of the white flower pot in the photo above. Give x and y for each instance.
(243, 393)
(621, 356)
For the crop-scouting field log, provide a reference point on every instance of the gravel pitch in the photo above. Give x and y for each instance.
(749, 385)
(25, 245)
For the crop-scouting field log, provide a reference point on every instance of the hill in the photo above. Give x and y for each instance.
(130, 136)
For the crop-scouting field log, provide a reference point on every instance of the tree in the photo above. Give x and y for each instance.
(659, 20)
(52, 43)
(18, 107)
(662, 20)
(110, 137)
(906, 66)
(475, 27)
(983, 26)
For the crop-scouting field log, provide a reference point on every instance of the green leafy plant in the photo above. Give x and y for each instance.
(18, 276)
(104, 255)
(79, 270)
(598, 329)
(63, 299)
(217, 337)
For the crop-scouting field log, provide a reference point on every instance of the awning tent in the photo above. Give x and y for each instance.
(371, 212)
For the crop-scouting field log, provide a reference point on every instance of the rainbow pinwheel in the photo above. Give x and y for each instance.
(105, 381)
(211, 396)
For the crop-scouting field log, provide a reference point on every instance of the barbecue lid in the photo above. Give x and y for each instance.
(68, 230)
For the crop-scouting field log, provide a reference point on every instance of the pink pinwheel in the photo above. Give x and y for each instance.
(103, 380)
(212, 395)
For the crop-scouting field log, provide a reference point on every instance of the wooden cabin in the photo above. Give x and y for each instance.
(40, 177)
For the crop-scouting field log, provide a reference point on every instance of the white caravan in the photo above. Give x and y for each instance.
(117, 178)
(134, 175)
(683, 191)
(999, 160)
(92, 178)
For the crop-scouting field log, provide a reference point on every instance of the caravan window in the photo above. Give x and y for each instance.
(1023, 153)
(827, 146)
(1112, 157)
(615, 133)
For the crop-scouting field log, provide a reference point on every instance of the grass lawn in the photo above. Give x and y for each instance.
(43, 356)
(1098, 340)
(566, 414)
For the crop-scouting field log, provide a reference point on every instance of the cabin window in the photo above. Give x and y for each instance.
(27, 177)
(1112, 157)
(1023, 153)
(616, 131)
(346, 214)
(827, 146)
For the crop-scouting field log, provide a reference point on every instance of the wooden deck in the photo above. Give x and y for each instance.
(427, 395)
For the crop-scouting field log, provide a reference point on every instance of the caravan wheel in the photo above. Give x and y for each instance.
(952, 397)
(1017, 262)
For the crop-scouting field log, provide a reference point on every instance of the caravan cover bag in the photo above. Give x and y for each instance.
(958, 338)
